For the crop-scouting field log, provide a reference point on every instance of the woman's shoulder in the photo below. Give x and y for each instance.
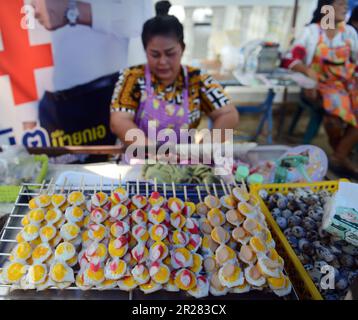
(312, 29)
(134, 71)
(351, 32)
(197, 74)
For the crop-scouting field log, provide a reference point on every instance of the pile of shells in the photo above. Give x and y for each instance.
(299, 215)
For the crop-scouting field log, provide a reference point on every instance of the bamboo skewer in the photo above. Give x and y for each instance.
(215, 191)
(63, 185)
(199, 193)
(174, 191)
(82, 187)
(147, 189)
(138, 188)
(223, 187)
(207, 187)
(185, 194)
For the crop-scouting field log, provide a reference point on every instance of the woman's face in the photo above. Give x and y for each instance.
(340, 9)
(164, 56)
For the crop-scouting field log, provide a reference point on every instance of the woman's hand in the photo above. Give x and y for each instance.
(310, 73)
(225, 118)
(311, 94)
(122, 124)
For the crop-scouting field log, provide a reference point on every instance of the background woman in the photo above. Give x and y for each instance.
(329, 56)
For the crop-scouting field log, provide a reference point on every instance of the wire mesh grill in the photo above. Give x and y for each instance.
(186, 192)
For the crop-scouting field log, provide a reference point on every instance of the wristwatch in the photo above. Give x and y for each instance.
(72, 13)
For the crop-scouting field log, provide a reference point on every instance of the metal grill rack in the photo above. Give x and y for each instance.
(28, 191)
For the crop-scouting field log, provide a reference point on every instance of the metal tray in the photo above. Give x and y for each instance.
(13, 226)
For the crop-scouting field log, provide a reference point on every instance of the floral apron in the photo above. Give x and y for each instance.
(337, 83)
(163, 114)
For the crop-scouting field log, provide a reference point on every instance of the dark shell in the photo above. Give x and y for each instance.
(282, 222)
(308, 267)
(350, 249)
(292, 206)
(293, 241)
(316, 215)
(288, 232)
(290, 196)
(346, 260)
(294, 221)
(281, 203)
(341, 283)
(312, 235)
(287, 213)
(325, 254)
(298, 213)
(323, 234)
(335, 250)
(276, 211)
(309, 224)
(298, 232)
(304, 258)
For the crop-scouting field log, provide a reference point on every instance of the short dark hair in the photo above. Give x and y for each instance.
(162, 8)
(163, 25)
(354, 15)
(317, 15)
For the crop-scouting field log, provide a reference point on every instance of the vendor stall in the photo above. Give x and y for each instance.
(117, 231)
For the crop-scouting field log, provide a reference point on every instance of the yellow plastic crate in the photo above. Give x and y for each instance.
(10, 193)
(301, 280)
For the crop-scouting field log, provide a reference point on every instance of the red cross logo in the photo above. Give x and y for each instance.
(19, 59)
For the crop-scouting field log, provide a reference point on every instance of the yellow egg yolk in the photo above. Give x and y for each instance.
(178, 282)
(99, 234)
(129, 281)
(48, 232)
(15, 271)
(257, 244)
(36, 215)
(197, 263)
(25, 221)
(23, 250)
(77, 212)
(36, 242)
(75, 196)
(31, 229)
(85, 236)
(277, 282)
(234, 276)
(40, 251)
(32, 204)
(44, 200)
(73, 230)
(120, 268)
(58, 199)
(59, 272)
(72, 261)
(51, 215)
(95, 275)
(114, 252)
(162, 275)
(19, 238)
(101, 250)
(38, 273)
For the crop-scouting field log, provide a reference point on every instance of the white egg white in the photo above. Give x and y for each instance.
(258, 282)
(230, 284)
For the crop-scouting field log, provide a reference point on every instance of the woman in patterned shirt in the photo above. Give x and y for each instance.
(165, 94)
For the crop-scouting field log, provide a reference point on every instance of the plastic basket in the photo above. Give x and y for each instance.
(10, 193)
(301, 280)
